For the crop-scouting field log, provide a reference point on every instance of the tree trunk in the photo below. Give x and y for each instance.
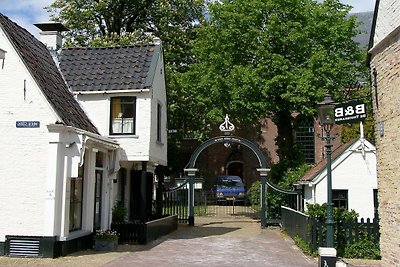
(284, 140)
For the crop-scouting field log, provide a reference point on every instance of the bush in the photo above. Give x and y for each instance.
(254, 193)
(276, 199)
(364, 249)
(119, 212)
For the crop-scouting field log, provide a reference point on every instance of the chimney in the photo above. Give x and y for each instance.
(50, 34)
(51, 37)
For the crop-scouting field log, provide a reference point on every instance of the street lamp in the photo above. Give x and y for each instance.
(326, 119)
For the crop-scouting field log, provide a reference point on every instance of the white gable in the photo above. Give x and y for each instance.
(354, 170)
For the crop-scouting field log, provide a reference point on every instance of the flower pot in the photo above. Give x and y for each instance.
(105, 245)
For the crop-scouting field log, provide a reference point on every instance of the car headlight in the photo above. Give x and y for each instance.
(220, 194)
(241, 194)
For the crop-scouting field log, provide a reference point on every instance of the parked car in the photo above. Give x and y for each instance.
(230, 188)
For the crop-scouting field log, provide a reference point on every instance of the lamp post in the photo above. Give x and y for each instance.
(326, 118)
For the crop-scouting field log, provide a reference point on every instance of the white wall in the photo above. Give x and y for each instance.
(355, 173)
(158, 150)
(142, 146)
(136, 147)
(23, 172)
(388, 19)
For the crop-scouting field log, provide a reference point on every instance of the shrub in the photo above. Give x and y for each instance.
(253, 194)
(276, 199)
(119, 212)
(364, 249)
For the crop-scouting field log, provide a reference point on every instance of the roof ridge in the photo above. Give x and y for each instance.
(106, 47)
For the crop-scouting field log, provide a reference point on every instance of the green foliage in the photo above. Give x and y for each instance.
(270, 58)
(114, 39)
(134, 22)
(293, 175)
(318, 212)
(273, 198)
(254, 193)
(304, 246)
(119, 212)
(352, 131)
(364, 249)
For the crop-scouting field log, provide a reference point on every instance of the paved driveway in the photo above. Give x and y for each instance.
(217, 242)
(212, 242)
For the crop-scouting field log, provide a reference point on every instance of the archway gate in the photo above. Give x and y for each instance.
(181, 193)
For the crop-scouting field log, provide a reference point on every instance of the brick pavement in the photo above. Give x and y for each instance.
(213, 242)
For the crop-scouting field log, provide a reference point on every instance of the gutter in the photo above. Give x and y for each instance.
(111, 92)
(95, 137)
(371, 37)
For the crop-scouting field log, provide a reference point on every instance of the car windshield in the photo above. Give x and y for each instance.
(225, 183)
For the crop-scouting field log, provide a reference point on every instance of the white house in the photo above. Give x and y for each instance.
(354, 179)
(122, 89)
(56, 169)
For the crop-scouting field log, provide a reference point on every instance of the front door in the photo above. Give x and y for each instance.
(97, 199)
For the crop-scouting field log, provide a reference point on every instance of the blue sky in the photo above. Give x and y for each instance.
(27, 12)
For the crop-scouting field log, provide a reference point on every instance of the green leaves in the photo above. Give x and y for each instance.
(255, 58)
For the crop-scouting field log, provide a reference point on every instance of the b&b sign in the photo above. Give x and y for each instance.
(350, 112)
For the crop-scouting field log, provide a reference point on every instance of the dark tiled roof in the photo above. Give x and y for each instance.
(320, 166)
(43, 69)
(108, 69)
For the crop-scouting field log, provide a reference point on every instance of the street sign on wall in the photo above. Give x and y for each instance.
(27, 124)
(350, 112)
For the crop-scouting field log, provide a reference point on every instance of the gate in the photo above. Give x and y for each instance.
(175, 201)
(207, 204)
(186, 211)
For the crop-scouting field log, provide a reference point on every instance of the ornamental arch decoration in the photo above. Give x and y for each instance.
(227, 128)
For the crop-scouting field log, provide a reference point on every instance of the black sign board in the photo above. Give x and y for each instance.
(27, 124)
(350, 112)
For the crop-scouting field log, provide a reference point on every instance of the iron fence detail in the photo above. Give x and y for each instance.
(175, 201)
(313, 232)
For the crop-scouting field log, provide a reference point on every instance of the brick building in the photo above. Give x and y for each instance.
(384, 60)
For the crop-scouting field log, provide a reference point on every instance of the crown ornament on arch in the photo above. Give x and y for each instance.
(227, 127)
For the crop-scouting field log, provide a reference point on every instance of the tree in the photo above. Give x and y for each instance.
(271, 58)
(126, 22)
(88, 20)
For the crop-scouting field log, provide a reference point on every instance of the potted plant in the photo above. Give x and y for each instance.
(105, 240)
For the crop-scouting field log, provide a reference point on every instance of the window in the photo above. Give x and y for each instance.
(75, 205)
(340, 198)
(159, 109)
(305, 137)
(123, 113)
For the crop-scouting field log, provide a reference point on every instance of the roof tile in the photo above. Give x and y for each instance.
(107, 68)
(40, 64)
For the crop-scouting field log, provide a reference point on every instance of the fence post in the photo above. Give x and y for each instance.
(376, 230)
(191, 173)
(369, 228)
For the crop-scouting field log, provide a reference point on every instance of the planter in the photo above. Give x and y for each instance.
(105, 245)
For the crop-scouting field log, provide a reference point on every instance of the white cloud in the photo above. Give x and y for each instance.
(26, 12)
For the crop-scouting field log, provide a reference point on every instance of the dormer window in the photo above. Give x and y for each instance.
(123, 115)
